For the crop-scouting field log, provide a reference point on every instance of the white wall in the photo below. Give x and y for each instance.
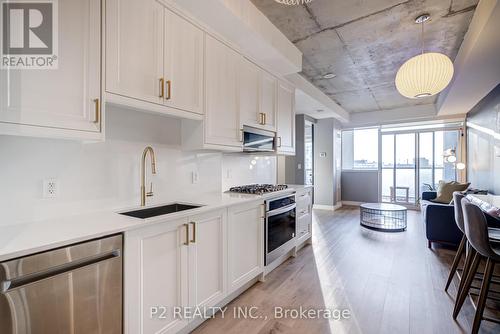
(106, 176)
(483, 143)
(324, 183)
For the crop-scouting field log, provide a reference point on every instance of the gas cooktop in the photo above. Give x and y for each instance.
(258, 189)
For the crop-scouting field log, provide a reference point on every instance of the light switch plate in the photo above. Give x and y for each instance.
(322, 154)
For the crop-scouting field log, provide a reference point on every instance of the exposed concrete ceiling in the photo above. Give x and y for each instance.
(364, 42)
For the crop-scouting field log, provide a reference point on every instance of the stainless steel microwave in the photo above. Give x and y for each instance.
(257, 140)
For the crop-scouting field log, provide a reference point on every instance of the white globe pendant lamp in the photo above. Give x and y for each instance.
(425, 74)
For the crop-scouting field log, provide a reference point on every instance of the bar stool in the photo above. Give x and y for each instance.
(476, 230)
(459, 220)
(463, 248)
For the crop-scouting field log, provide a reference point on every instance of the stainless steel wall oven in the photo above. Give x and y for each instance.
(280, 229)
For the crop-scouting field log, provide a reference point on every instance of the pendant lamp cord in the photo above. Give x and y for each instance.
(423, 37)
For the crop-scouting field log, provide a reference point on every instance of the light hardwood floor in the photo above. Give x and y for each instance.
(390, 283)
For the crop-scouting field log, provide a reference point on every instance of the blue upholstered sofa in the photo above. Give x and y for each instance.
(439, 220)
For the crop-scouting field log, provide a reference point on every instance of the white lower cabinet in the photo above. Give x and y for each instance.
(304, 215)
(186, 264)
(245, 243)
(156, 277)
(207, 258)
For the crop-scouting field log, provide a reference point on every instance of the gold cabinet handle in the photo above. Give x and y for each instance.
(97, 118)
(162, 87)
(193, 240)
(262, 118)
(187, 234)
(169, 90)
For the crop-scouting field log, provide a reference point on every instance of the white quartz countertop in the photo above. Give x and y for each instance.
(28, 238)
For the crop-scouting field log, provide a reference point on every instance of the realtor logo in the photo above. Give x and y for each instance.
(29, 34)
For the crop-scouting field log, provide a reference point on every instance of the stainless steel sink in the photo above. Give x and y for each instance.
(160, 210)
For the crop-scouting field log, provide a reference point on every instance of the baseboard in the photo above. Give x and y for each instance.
(324, 207)
(352, 203)
(327, 207)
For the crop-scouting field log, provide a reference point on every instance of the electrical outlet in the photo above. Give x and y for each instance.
(50, 188)
(194, 177)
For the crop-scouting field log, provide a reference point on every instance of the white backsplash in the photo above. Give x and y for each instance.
(100, 176)
(106, 176)
(241, 169)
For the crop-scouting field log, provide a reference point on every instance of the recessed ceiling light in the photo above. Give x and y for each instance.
(329, 76)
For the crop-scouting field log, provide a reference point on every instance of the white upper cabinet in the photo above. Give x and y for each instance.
(222, 125)
(153, 56)
(267, 99)
(183, 71)
(249, 87)
(257, 96)
(285, 125)
(134, 49)
(54, 102)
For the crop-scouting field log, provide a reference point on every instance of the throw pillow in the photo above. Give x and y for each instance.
(446, 189)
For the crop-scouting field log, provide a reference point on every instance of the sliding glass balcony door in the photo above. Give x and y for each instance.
(412, 162)
(399, 168)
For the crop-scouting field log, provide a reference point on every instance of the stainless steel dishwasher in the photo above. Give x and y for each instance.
(71, 290)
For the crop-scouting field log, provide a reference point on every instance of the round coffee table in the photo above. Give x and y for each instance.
(383, 217)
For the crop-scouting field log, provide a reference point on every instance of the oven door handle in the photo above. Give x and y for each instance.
(281, 210)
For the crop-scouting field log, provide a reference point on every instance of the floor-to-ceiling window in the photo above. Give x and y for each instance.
(409, 158)
(360, 149)
(435, 163)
